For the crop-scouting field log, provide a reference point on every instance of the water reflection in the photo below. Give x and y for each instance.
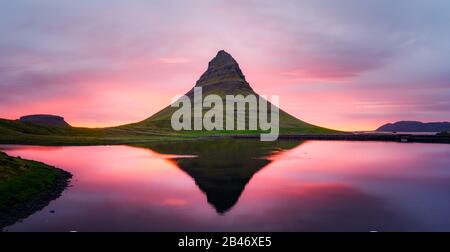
(222, 168)
(250, 186)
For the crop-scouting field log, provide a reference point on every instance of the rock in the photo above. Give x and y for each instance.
(47, 120)
(223, 74)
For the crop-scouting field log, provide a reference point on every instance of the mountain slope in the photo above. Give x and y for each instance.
(224, 77)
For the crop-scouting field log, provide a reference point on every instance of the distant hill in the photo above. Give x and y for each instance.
(415, 126)
(46, 120)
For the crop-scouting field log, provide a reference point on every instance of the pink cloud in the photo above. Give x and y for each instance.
(329, 67)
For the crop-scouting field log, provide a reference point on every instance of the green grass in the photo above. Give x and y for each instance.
(155, 128)
(162, 121)
(22, 180)
(16, 132)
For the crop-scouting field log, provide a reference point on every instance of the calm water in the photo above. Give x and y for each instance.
(245, 185)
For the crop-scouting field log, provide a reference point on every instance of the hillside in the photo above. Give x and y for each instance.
(17, 132)
(27, 186)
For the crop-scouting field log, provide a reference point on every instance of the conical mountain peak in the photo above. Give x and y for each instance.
(223, 68)
(222, 59)
(224, 77)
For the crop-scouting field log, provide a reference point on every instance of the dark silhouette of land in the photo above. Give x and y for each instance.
(222, 168)
(45, 120)
(415, 126)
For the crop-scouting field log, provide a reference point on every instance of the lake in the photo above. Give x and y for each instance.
(246, 185)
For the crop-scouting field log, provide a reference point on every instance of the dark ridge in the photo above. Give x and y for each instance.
(222, 68)
(415, 126)
(220, 177)
(47, 120)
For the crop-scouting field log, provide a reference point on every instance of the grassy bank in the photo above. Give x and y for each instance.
(16, 132)
(27, 186)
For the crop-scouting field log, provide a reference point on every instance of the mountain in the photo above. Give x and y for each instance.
(50, 120)
(415, 126)
(224, 77)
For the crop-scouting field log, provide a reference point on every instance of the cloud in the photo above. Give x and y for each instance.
(347, 52)
(174, 60)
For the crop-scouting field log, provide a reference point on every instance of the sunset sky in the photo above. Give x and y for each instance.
(349, 65)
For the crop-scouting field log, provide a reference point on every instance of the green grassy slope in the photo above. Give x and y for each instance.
(26, 185)
(288, 123)
(16, 132)
(156, 127)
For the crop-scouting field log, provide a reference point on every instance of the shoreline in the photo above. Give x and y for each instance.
(97, 141)
(37, 201)
(380, 137)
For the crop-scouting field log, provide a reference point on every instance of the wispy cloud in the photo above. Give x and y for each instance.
(100, 60)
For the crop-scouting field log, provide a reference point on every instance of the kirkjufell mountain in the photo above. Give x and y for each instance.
(224, 77)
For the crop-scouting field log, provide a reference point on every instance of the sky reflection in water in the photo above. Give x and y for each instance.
(246, 185)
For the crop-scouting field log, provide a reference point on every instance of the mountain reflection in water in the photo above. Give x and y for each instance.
(249, 186)
(222, 168)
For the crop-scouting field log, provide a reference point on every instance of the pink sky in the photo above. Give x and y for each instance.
(347, 66)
